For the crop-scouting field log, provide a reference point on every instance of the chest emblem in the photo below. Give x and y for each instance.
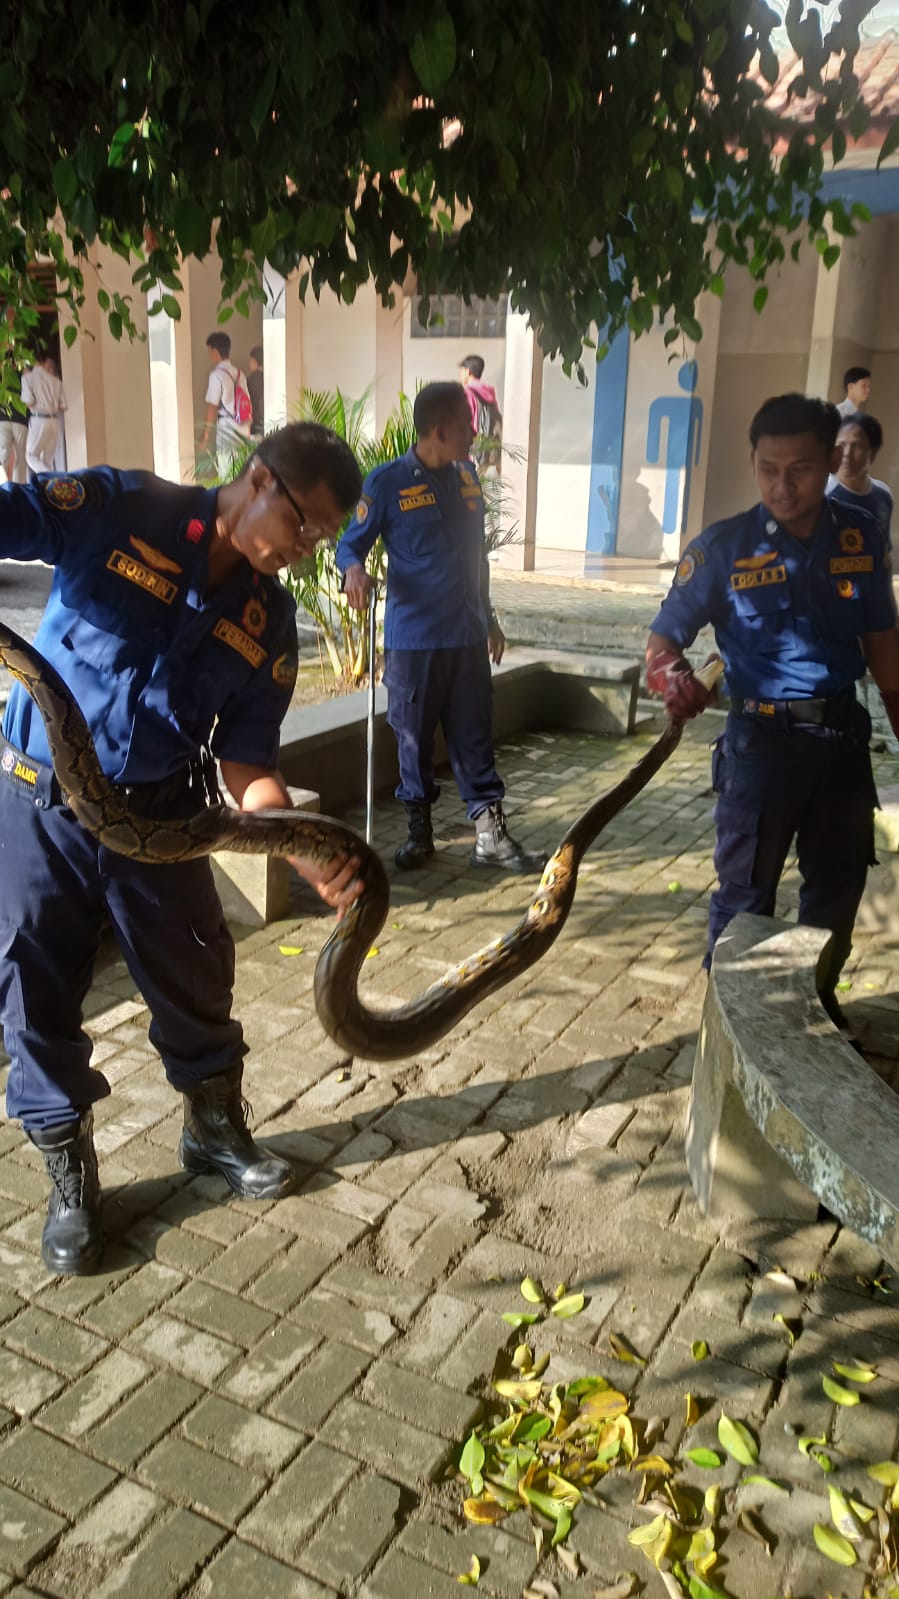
(254, 617)
(752, 563)
(846, 589)
(64, 493)
(238, 640)
(851, 540)
(416, 500)
(162, 588)
(758, 580)
(154, 558)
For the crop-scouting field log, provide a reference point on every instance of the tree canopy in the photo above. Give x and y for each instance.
(604, 161)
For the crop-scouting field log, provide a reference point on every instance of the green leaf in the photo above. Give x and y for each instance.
(65, 181)
(764, 1482)
(700, 1589)
(433, 51)
(885, 1471)
(708, 1459)
(700, 1349)
(520, 1318)
(290, 949)
(834, 1545)
(736, 1438)
(571, 1305)
(263, 97)
(471, 1577)
(839, 1394)
(471, 1460)
(530, 1289)
(760, 297)
(855, 1373)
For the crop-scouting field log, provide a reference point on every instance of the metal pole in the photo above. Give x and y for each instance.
(370, 740)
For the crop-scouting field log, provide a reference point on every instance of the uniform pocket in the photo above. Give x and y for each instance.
(719, 765)
(737, 843)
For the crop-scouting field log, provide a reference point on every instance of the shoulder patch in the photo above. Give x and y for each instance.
(363, 508)
(64, 493)
(685, 570)
(284, 669)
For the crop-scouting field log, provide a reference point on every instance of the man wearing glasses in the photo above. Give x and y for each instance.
(168, 624)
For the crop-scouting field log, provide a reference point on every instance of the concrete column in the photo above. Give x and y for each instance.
(523, 398)
(388, 360)
(845, 323)
(107, 380)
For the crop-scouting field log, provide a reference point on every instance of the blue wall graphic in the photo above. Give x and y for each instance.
(683, 414)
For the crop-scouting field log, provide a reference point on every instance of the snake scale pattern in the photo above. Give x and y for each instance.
(403, 1030)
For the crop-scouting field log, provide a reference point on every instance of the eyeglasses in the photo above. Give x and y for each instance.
(305, 524)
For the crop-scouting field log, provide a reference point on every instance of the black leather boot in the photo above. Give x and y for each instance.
(494, 846)
(216, 1139)
(420, 843)
(73, 1235)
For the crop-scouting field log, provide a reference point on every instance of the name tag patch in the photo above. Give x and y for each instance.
(760, 579)
(236, 639)
(852, 563)
(417, 502)
(151, 582)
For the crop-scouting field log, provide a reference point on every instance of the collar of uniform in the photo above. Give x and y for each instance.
(769, 527)
(416, 467)
(202, 510)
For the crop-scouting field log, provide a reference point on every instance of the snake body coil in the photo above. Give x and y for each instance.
(390, 1034)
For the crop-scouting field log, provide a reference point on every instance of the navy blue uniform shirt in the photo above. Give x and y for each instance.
(432, 524)
(788, 613)
(152, 658)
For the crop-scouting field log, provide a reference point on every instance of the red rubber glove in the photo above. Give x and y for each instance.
(890, 697)
(670, 675)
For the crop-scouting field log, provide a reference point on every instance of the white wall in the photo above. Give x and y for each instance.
(436, 360)
(339, 346)
(566, 443)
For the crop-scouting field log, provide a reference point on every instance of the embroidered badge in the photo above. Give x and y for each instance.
(154, 558)
(162, 588)
(685, 570)
(846, 589)
(28, 774)
(752, 563)
(757, 580)
(362, 509)
(64, 493)
(254, 617)
(416, 501)
(852, 563)
(195, 530)
(284, 671)
(466, 475)
(236, 639)
(7, 760)
(851, 540)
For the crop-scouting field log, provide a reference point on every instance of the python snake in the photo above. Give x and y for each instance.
(373, 1034)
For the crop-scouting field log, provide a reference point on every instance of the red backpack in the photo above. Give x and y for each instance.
(243, 405)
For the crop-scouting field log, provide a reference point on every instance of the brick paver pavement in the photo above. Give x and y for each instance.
(262, 1399)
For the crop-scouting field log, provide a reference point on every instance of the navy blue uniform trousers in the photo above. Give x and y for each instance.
(452, 688)
(776, 782)
(169, 925)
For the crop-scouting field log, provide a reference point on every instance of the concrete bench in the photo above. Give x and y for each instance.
(879, 909)
(783, 1113)
(324, 745)
(254, 889)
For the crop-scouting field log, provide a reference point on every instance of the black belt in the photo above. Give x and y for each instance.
(178, 795)
(835, 711)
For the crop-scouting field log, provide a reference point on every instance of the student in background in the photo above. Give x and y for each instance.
(859, 441)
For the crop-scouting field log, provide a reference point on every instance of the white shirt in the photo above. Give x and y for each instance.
(848, 407)
(42, 392)
(221, 391)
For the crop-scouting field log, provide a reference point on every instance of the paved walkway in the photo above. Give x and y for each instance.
(263, 1399)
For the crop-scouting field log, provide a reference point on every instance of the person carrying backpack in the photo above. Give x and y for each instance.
(486, 416)
(228, 406)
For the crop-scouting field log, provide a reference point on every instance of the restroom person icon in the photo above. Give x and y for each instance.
(683, 415)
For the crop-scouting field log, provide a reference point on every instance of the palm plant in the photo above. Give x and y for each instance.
(315, 582)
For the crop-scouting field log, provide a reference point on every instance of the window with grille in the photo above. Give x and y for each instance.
(451, 318)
